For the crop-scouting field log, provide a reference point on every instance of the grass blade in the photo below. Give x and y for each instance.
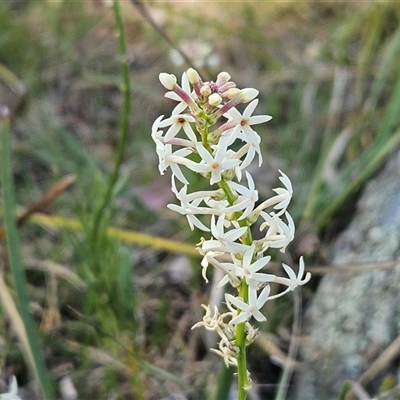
(35, 358)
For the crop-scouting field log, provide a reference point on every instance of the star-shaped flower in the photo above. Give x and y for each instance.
(214, 164)
(249, 269)
(176, 123)
(248, 197)
(279, 234)
(245, 133)
(294, 280)
(224, 241)
(281, 201)
(188, 208)
(250, 309)
(167, 158)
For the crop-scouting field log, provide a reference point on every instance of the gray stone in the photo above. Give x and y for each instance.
(354, 317)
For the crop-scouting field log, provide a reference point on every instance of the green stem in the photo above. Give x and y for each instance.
(34, 355)
(123, 127)
(231, 197)
(243, 382)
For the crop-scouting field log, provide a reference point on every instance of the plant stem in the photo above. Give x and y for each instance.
(243, 382)
(123, 127)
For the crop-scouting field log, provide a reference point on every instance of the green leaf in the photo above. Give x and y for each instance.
(33, 353)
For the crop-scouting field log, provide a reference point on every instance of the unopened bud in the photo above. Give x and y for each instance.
(219, 195)
(253, 217)
(239, 256)
(230, 216)
(205, 90)
(258, 246)
(222, 78)
(193, 76)
(249, 94)
(251, 335)
(228, 174)
(213, 136)
(215, 99)
(232, 93)
(167, 80)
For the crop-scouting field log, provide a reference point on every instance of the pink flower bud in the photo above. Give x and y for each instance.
(222, 78)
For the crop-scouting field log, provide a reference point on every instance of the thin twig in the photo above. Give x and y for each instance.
(352, 268)
(384, 360)
(147, 16)
(41, 205)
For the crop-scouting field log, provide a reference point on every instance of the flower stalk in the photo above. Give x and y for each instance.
(123, 127)
(207, 124)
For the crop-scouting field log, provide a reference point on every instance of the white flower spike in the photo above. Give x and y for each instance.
(206, 134)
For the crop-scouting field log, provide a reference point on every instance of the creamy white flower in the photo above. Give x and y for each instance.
(229, 269)
(219, 207)
(281, 201)
(205, 91)
(285, 193)
(214, 164)
(222, 78)
(156, 134)
(176, 123)
(211, 322)
(167, 158)
(185, 86)
(249, 196)
(209, 258)
(188, 208)
(279, 234)
(294, 280)
(250, 309)
(186, 198)
(224, 241)
(245, 120)
(251, 333)
(184, 96)
(190, 213)
(233, 93)
(249, 269)
(244, 132)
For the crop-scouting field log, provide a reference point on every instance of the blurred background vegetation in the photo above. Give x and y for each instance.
(115, 322)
